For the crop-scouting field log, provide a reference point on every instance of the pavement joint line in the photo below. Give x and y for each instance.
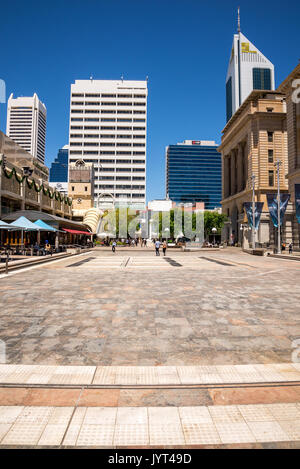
(237, 385)
(39, 266)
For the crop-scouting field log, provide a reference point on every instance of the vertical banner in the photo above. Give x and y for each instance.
(258, 210)
(297, 201)
(273, 207)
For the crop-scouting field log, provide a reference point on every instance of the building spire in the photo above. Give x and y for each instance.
(239, 21)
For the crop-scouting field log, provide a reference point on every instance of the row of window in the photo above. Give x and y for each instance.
(97, 136)
(120, 178)
(111, 119)
(72, 152)
(107, 103)
(105, 111)
(103, 127)
(116, 187)
(106, 144)
(106, 95)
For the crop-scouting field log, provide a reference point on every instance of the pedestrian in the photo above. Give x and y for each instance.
(48, 247)
(283, 247)
(291, 248)
(113, 246)
(157, 246)
(164, 246)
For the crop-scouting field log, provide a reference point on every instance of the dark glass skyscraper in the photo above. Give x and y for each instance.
(59, 167)
(194, 173)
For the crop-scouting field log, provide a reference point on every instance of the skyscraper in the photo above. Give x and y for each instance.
(194, 173)
(248, 70)
(26, 124)
(108, 127)
(59, 167)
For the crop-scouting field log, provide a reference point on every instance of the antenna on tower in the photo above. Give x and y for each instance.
(239, 21)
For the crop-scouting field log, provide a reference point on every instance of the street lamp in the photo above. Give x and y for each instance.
(214, 230)
(277, 166)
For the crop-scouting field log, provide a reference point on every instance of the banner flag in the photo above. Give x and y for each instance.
(297, 201)
(273, 207)
(258, 210)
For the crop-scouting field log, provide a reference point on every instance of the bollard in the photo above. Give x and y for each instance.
(6, 265)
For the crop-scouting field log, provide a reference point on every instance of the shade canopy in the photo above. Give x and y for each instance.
(43, 226)
(7, 226)
(24, 224)
(77, 231)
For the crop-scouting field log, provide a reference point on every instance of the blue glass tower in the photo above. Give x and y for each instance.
(194, 173)
(59, 167)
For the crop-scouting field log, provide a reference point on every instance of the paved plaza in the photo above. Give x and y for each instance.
(131, 350)
(134, 308)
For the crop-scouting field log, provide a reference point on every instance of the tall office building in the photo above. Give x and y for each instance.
(108, 127)
(194, 173)
(26, 124)
(59, 167)
(248, 70)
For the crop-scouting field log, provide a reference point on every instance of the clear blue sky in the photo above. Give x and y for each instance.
(182, 45)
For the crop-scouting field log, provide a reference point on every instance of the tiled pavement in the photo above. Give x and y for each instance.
(148, 375)
(147, 312)
(224, 332)
(117, 427)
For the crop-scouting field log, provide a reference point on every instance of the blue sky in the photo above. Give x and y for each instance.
(183, 46)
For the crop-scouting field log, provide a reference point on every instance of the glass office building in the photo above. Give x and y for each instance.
(59, 167)
(194, 173)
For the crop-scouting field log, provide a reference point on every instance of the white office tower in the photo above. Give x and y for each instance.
(26, 124)
(108, 127)
(248, 70)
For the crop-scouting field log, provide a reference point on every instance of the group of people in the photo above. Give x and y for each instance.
(290, 248)
(43, 250)
(135, 242)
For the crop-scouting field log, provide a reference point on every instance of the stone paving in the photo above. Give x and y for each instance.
(138, 309)
(123, 427)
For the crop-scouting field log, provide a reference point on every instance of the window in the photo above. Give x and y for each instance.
(91, 119)
(107, 120)
(124, 136)
(108, 111)
(77, 95)
(108, 96)
(271, 178)
(85, 188)
(90, 127)
(229, 99)
(270, 156)
(89, 95)
(261, 79)
(107, 136)
(270, 136)
(270, 109)
(108, 103)
(124, 95)
(73, 188)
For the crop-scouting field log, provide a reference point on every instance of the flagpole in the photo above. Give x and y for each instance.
(277, 165)
(253, 210)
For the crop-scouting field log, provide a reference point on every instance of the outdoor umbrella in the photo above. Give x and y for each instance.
(7, 226)
(43, 226)
(23, 224)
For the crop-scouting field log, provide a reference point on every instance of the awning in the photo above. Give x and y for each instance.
(43, 226)
(25, 225)
(77, 232)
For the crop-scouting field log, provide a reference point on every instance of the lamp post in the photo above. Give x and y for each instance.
(277, 166)
(214, 230)
(253, 210)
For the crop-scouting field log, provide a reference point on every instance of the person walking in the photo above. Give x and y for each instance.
(113, 246)
(157, 246)
(291, 248)
(164, 246)
(48, 248)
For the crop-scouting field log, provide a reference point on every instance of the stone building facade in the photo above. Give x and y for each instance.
(252, 141)
(81, 187)
(291, 87)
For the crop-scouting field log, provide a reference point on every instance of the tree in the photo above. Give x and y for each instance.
(213, 220)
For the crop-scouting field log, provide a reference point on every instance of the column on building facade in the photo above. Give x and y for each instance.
(240, 168)
(232, 168)
(226, 177)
